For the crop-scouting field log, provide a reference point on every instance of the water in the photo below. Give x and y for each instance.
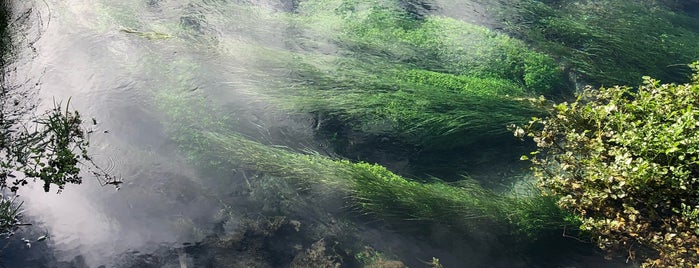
(152, 72)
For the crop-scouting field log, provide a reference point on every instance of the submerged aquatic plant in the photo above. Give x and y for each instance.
(432, 82)
(372, 189)
(466, 207)
(609, 42)
(387, 30)
(422, 104)
(432, 116)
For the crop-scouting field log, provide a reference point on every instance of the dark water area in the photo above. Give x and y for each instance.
(162, 77)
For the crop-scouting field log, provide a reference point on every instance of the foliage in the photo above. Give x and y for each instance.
(611, 41)
(53, 149)
(10, 215)
(51, 152)
(626, 162)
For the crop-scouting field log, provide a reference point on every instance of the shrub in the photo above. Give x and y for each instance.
(626, 162)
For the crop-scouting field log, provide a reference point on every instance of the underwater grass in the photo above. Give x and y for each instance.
(610, 42)
(415, 106)
(208, 137)
(432, 82)
(465, 207)
(420, 116)
(445, 45)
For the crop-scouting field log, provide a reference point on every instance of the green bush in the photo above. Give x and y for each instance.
(626, 161)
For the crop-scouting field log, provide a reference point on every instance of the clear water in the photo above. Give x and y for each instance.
(126, 64)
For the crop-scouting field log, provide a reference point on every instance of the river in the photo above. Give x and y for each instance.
(164, 78)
